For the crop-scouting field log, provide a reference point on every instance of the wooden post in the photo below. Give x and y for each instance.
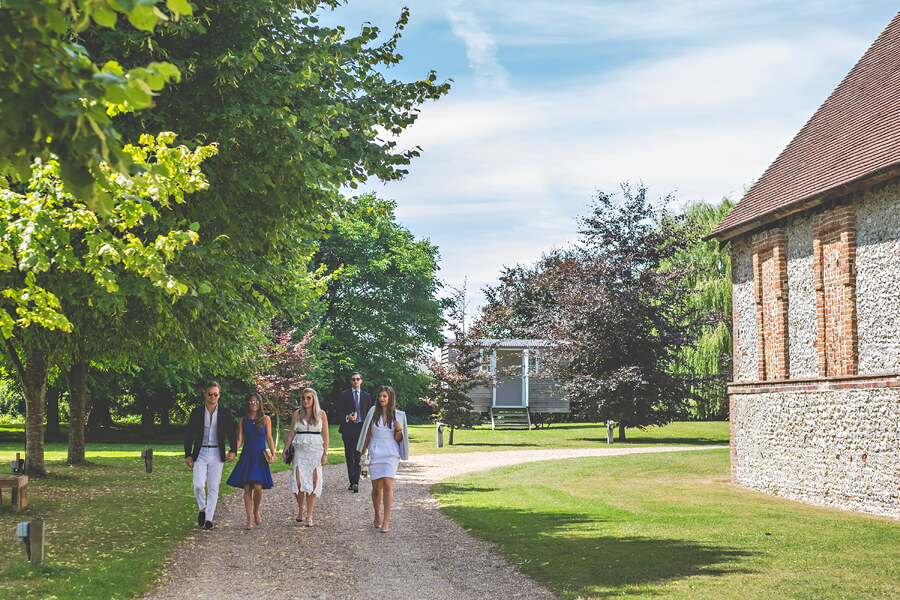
(36, 541)
(610, 432)
(439, 429)
(148, 459)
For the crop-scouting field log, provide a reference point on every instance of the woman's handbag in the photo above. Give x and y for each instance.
(288, 454)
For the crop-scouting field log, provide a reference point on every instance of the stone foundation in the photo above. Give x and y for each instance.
(831, 443)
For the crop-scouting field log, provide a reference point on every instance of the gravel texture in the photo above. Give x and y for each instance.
(424, 556)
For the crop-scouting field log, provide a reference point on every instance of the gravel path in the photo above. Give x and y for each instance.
(425, 556)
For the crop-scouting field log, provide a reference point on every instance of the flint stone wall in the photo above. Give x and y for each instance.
(838, 448)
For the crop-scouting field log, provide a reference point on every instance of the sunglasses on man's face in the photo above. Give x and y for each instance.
(356, 379)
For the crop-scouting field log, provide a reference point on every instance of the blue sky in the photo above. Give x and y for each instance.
(552, 101)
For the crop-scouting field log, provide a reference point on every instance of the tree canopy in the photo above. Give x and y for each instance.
(380, 308)
(298, 112)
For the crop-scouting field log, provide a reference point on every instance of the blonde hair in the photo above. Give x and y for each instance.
(314, 417)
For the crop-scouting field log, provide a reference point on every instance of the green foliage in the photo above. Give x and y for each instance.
(55, 100)
(670, 526)
(707, 271)
(380, 309)
(461, 372)
(300, 111)
(50, 241)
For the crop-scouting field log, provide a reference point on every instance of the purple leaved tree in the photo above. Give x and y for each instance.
(286, 367)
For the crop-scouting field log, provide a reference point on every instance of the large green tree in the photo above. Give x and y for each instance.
(57, 253)
(380, 309)
(300, 112)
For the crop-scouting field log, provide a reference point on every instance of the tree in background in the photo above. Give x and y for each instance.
(285, 370)
(515, 307)
(461, 371)
(616, 319)
(380, 308)
(301, 112)
(707, 271)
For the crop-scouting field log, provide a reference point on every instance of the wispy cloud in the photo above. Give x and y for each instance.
(481, 49)
(691, 96)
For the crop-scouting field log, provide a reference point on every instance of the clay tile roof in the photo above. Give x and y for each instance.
(851, 142)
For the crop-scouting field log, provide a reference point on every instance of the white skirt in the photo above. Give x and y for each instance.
(308, 451)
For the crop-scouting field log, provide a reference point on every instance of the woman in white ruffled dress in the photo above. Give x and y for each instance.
(309, 437)
(386, 441)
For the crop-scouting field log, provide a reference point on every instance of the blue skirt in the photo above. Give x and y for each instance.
(251, 468)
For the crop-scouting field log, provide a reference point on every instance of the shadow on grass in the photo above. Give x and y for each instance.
(494, 445)
(563, 551)
(658, 441)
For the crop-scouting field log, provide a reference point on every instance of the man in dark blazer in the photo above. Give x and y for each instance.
(204, 450)
(352, 406)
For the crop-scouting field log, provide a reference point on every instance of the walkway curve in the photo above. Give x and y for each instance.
(425, 556)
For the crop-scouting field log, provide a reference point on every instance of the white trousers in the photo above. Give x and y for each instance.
(208, 474)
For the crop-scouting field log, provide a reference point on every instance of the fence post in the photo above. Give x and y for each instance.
(147, 455)
(36, 541)
(439, 431)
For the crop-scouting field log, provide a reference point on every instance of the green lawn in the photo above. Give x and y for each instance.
(110, 526)
(671, 526)
(565, 435)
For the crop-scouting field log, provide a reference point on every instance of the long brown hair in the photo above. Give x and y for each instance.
(260, 412)
(314, 417)
(390, 411)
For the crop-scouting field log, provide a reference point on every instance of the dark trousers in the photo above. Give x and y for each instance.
(350, 436)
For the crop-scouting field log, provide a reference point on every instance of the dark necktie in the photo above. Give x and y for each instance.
(356, 400)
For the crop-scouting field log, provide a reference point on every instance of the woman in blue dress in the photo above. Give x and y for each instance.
(252, 469)
(387, 441)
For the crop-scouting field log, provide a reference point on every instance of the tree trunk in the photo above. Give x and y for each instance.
(164, 421)
(99, 415)
(450, 441)
(278, 430)
(37, 367)
(621, 431)
(147, 412)
(76, 379)
(53, 433)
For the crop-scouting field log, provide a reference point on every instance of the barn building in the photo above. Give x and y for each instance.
(815, 245)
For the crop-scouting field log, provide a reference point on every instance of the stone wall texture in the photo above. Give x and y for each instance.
(821, 444)
(878, 280)
(840, 448)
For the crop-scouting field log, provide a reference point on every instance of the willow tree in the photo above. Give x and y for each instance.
(706, 268)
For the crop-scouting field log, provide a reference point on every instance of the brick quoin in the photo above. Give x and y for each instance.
(771, 294)
(834, 276)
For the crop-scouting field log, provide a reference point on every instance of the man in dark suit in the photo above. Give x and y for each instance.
(352, 406)
(204, 450)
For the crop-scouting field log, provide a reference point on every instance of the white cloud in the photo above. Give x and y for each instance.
(481, 49)
(502, 176)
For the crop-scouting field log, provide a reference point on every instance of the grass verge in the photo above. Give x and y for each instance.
(109, 525)
(671, 526)
(565, 435)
